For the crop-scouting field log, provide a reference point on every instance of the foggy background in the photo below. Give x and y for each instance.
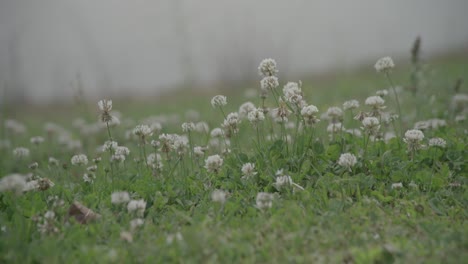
(121, 47)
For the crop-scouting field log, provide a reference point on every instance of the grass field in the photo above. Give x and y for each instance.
(319, 187)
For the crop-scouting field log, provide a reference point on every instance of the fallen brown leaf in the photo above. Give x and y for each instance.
(81, 213)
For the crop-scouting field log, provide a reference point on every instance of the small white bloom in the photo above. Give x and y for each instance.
(219, 196)
(216, 133)
(246, 108)
(14, 182)
(382, 93)
(292, 92)
(121, 150)
(282, 181)
(218, 101)
(137, 206)
(248, 170)
(264, 200)
(199, 151)
(371, 125)
(256, 115)
(269, 83)
(335, 127)
(351, 104)
(347, 161)
(135, 223)
(384, 64)
(375, 102)
(142, 131)
(188, 126)
(437, 142)
(53, 161)
(37, 140)
(213, 163)
(414, 135)
(105, 105)
(202, 127)
(309, 113)
(89, 177)
(267, 67)
(397, 185)
(21, 152)
(79, 160)
(120, 197)
(109, 145)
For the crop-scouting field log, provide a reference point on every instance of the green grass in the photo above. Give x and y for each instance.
(340, 216)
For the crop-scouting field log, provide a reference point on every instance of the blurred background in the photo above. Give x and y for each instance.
(117, 48)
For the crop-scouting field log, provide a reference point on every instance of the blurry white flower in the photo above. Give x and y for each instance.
(282, 181)
(413, 139)
(280, 114)
(347, 161)
(264, 200)
(14, 126)
(105, 105)
(246, 108)
(248, 170)
(382, 93)
(121, 150)
(14, 182)
(231, 124)
(269, 83)
(109, 145)
(334, 114)
(142, 131)
(37, 140)
(351, 104)
(371, 125)
(355, 132)
(437, 142)
(218, 101)
(216, 133)
(154, 160)
(256, 115)
(384, 64)
(120, 197)
(89, 177)
(79, 160)
(202, 127)
(21, 152)
(460, 118)
(376, 102)
(53, 161)
(218, 196)
(309, 113)
(92, 168)
(188, 126)
(267, 67)
(33, 165)
(117, 158)
(292, 93)
(213, 163)
(174, 237)
(199, 151)
(397, 185)
(135, 223)
(335, 127)
(137, 206)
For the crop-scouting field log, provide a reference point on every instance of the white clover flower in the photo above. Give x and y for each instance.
(105, 105)
(351, 104)
(256, 116)
(347, 161)
(188, 126)
(213, 163)
(335, 127)
(397, 185)
(135, 223)
(216, 133)
(269, 83)
(109, 145)
(154, 160)
(459, 101)
(355, 132)
(53, 161)
(79, 160)
(121, 150)
(382, 93)
(21, 152)
(199, 151)
(264, 200)
(37, 140)
(231, 124)
(267, 67)
(414, 135)
(14, 126)
(117, 158)
(219, 196)
(137, 206)
(180, 144)
(156, 126)
(202, 127)
(280, 114)
(371, 125)
(174, 237)
(92, 168)
(389, 135)
(292, 93)
(282, 181)
(218, 101)
(309, 113)
(89, 177)
(375, 102)
(384, 64)
(334, 114)
(413, 139)
(248, 170)
(14, 182)
(142, 131)
(437, 142)
(246, 108)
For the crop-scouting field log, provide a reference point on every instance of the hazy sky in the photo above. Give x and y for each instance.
(143, 46)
